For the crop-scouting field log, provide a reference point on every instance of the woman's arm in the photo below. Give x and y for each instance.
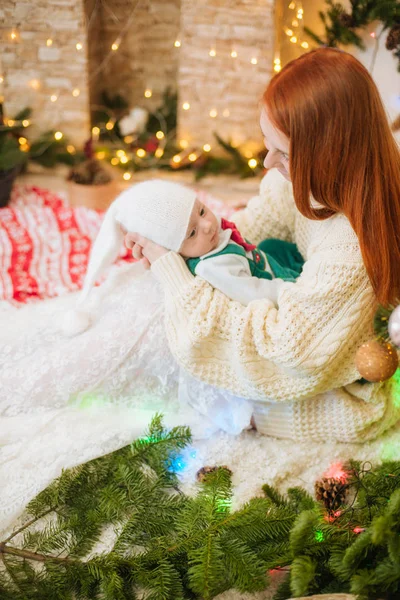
(271, 213)
(304, 347)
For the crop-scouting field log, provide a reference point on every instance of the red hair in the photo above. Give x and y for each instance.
(342, 151)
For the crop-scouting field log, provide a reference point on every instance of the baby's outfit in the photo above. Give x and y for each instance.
(245, 272)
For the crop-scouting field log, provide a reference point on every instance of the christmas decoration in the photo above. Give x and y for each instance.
(203, 473)
(376, 361)
(169, 546)
(394, 326)
(330, 491)
(343, 28)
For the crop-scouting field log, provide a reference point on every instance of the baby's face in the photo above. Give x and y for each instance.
(202, 233)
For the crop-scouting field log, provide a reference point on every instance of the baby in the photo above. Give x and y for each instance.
(172, 216)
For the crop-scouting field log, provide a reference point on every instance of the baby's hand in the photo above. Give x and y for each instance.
(137, 250)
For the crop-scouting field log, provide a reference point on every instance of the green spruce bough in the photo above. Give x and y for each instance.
(168, 546)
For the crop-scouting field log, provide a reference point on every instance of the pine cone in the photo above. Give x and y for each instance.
(332, 492)
(346, 20)
(393, 38)
(202, 473)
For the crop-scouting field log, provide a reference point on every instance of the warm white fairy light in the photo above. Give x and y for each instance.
(26, 123)
(58, 135)
(159, 152)
(177, 159)
(192, 156)
(78, 46)
(252, 163)
(206, 147)
(186, 106)
(234, 54)
(34, 84)
(254, 61)
(177, 44)
(114, 161)
(148, 93)
(304, 45)
(124, 159)
(1, 79)
(49, 42)
(141, 152)
(13, 35)
(183, 144)
(127, 176)
(288, 32)
(212, 52)
(71, 149)
(22, 140)
(293, 39)
(295, 23)
(76, 92)
(277, 68)
(10, 122)
(128, 139)
(54, 97)
(114, 46)
(109, 125)
(100, 155)
(120, 153)
(213, 113)
(24, 147)
(292, 5)
(95, 133)
(160, 135)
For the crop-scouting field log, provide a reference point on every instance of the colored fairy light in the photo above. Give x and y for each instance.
(358, 529)
(336, 471)
(319, 536)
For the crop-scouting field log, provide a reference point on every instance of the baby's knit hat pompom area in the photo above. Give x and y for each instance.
(156, 209)
(75, 322)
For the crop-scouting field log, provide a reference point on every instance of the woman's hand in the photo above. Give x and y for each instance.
(144, 249)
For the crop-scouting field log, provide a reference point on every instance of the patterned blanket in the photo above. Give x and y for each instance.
(45, 243)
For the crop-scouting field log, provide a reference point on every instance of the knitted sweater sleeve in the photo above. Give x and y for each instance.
(269, 214)
(304, 347)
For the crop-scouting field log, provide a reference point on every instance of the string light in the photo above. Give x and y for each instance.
(212, 52)
(26, 123)
(13, 35)
(159, 152)
(24, 147)
(226, 112)
(34, 84)
(192, 157)
(160, 135)
(100, 155)
(120, 153)
(10, 122)
(252, 163)
(95, 133)
(128, 139)
(177, 159)
(22, 140)
(114, 46)
(49, 42)
(293, 39)
(295, 23)
(76, 92)
(114, 161)
(304, 45)
(127, 176)
(234, 54)
(148, 93)
(177, 44)
(289, 32)
(71, 149)
(1, 79)
(186, 106)
(124, 159)
(254, 61)
(206, 147)
(292, 5)
(141, 152)
(109, 125)
(183, 144)
(58, 135)
(213, 113)
(78, 46)
(373, 34)
(53, 98)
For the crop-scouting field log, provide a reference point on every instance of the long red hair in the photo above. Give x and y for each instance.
(342, 151)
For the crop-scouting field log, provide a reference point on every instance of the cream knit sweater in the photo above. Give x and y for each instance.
(295, 361)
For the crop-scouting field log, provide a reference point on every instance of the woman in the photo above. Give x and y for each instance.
(326, 132)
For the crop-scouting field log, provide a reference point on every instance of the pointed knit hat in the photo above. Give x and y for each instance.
(156, 209)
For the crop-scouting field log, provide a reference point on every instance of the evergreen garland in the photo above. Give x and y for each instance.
(169, 546)
(342, 27)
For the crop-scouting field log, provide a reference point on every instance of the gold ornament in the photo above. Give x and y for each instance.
(376, 361)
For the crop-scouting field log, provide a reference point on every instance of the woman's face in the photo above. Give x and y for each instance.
(277, 145)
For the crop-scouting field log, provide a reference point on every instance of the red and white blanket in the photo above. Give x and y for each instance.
(45, 243)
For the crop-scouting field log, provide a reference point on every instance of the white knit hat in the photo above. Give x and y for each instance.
(158, 210)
